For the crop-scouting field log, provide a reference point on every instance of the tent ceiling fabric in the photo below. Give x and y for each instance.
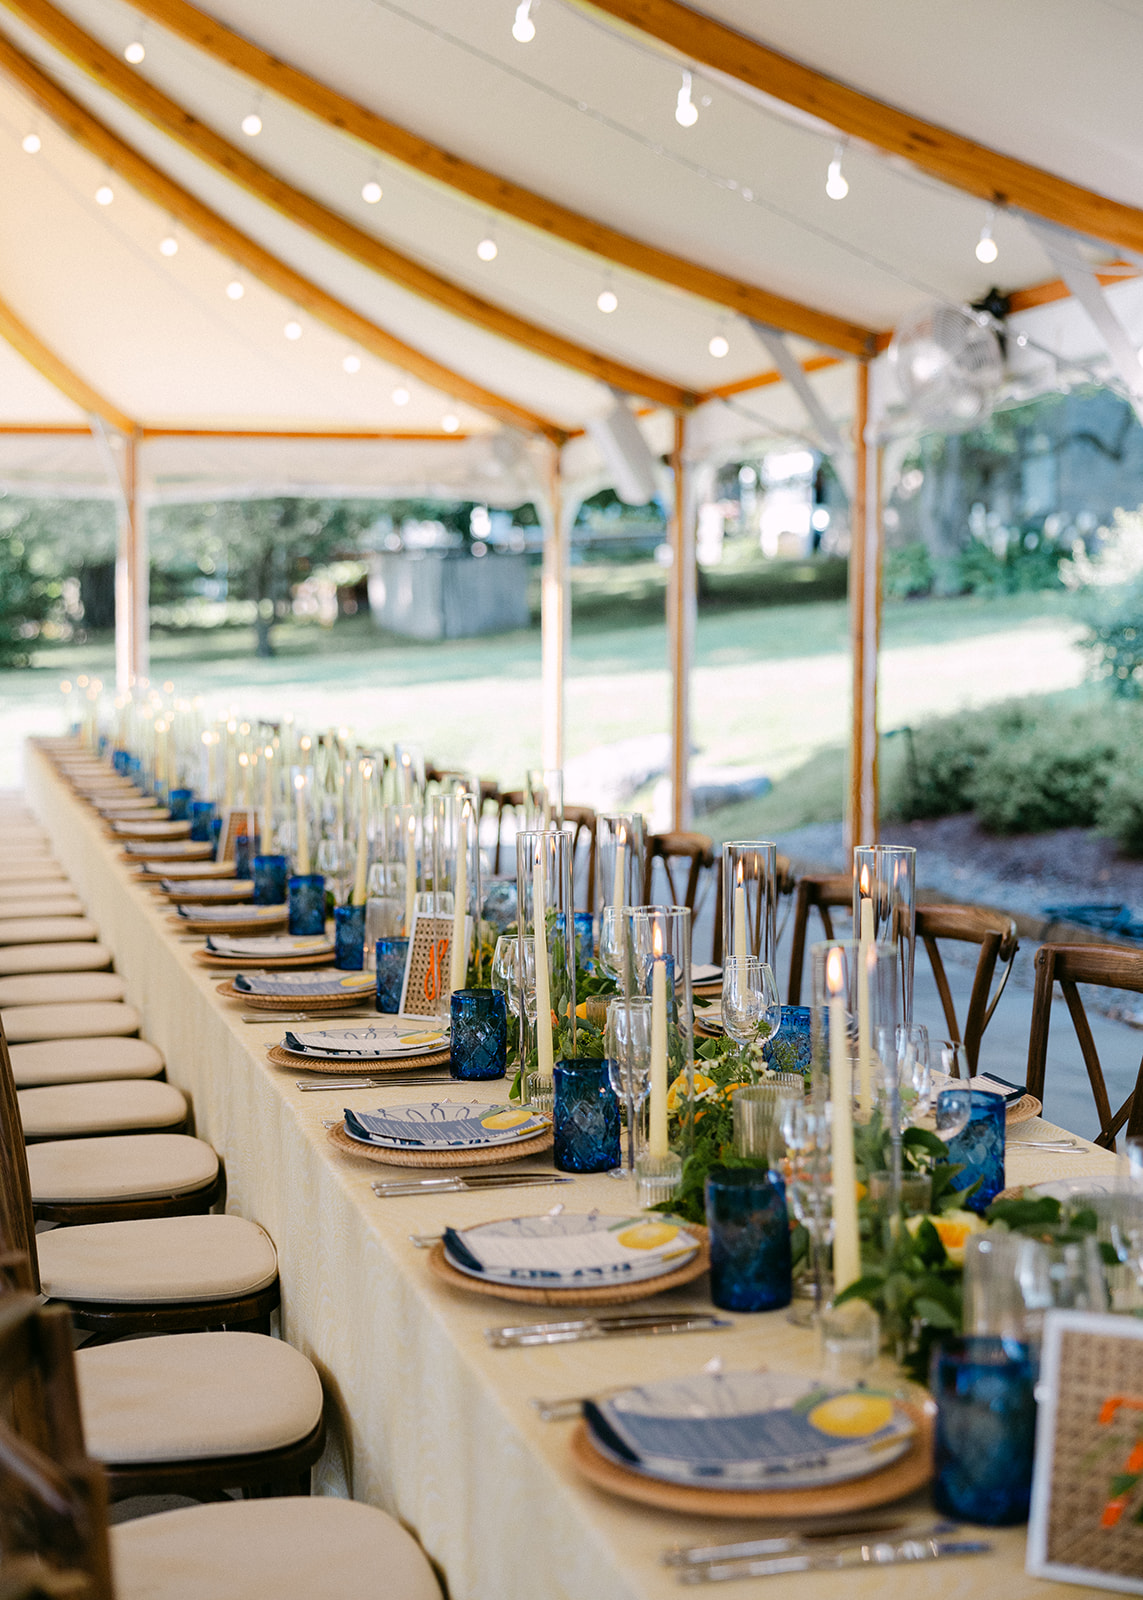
(583, 114)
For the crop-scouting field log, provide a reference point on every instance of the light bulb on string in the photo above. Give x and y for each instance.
(487, 249)
(252, 124)
(135, 52)
(169, 246)
(686, 112)
(523, 28)
(608, 301)
(449, 423)
(31, 144)
(293, 329)
(400, 395)
(351, 363)
(104, 195)
(836, 186)
(719, 346)
(234, 290)
(371, 192)
(986, 246)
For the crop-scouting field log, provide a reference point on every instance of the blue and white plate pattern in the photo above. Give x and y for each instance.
(305, 984)
(443, 1125)
(404, 1036)
(571, 1250)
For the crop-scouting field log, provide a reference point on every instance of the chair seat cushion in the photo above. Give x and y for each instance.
(26, 866)
(156, 1259)
(48, 906)
(106, 1017)
(42, 888)
(67, 1110)
(133, 1167)
(66, 957)
(46, 930)
(191, 1396)
(292, 1549)
(83, 1061)
(61, 988)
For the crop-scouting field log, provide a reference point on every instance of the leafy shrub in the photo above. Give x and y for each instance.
(1115, 639)
(1049, 777)
(1121, 810)
(942, 758)
(909, 571)
(26, 598)
(1014, 561)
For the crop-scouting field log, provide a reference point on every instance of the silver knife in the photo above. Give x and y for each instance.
(308, 1016)
(808, 1539)
(608, 1327)
(877, 1555)
(311, 1086)
(462, 1185)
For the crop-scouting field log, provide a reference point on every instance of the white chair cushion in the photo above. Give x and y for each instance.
(291, 1549)
(46, 930)
(42, 906)
(61, 988)
(41, 888)
(30, 866)
(24, 1023)
(77, 956)
(191, 1396)
(156, 1260)
(83, 1061)
(129, 1167)
(67, 1110)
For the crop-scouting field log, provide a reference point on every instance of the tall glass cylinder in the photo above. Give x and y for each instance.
(409, 774)
(465, 947)
(620, 854)
(885, 907)
(441, 814)
(546, 924)
(655, 964)
(544, 798)
(749, 899)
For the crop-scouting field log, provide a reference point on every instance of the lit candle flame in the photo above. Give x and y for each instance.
(835, 973)
(863, 881)
(657, 941)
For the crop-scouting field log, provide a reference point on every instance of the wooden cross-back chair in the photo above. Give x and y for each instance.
(1109, 968)
(992, 931)
(580, 822)
(686, 858)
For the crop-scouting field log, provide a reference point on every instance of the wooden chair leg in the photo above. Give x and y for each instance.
(798, 945)
(1041, 1023)
(976, 1019)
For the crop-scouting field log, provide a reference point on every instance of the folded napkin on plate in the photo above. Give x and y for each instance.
(273, 945)
(986, 1082)
(297, 984)
(243, 913)
(443, 1125)
(227, 889)
(366, 1044)
(705, 973)
(570, 1246)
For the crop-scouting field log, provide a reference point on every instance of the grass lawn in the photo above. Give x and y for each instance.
(770, 684)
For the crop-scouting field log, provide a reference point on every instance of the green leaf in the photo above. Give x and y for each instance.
(936, 1315)
(1025, 1216)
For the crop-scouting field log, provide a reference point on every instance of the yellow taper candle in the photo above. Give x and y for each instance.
(410, 874)
(303, 856)
(846, 1243)
(458, 951)
(657, 1145)
(864, 1022)
(619, 884)
(545, 1052)
(740, 951)
(365, 771)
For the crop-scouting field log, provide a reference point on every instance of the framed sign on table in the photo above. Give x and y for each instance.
(235, 823)
(425, 990)
(1086, 1523)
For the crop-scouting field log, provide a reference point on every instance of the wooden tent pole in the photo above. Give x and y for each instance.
(555, 618)
(863, 809)
(681, 599)
(132, 574)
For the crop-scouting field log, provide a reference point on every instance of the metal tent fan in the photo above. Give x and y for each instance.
(950, 366)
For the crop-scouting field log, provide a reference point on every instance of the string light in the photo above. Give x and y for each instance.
(719, 346)
(169, 246)
(371, 192)
(234, 290)
(449, 423)
(608, 301)
(523, 28)
(352, 363)
(31, 144)
(986, 247)
(293, 329)
(836, 186)
(104, 195)
(487, 250)
(400, 395)
(134, 52)
(252, 124)
(686, 112)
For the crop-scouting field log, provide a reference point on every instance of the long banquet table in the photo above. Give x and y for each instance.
(425, 1419)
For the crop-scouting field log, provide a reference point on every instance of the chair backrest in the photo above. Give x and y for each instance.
(508, 800)
(825, 892)
(1069, 965)
(686, 858)
(995, 933)
(580, 823)
(17, 1226)
(53, 1497)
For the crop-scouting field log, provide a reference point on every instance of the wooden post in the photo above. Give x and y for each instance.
(132, 576)
(862, 811)
(555, 619)
(680, 629)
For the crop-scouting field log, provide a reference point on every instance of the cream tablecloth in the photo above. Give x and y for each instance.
(426, 1420)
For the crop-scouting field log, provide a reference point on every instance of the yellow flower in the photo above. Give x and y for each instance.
(677, 1092)
(954, 1229)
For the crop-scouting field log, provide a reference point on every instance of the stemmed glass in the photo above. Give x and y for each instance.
(336, 864)
(954, 1103)
(628, 1045)
(751, 1010)
(610, 952)
(914, 1070)
(806, 1128)
(506, 971)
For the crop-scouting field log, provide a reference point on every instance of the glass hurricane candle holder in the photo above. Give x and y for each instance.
(270, 874)
(585, 1117)
(543, 799)
(390, 958)
(547, 953)
(620, 857)
(979, 1147)
(654, 958)
(305, 894)
(349, 938)
(478, 1040)
(986, 1429)
(750, 1264)
(749, 900)
(202, 821)
(885, 907)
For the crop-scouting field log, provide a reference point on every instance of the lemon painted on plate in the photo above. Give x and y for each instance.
(506, 1119)
(647, 1235)
(432, 1037)
(852, 1416)
(356, 983)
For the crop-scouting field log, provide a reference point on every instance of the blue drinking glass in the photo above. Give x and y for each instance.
(392, 955)
(750, 1265)
(986, 1429)
(245, 850)
(478, 1043)
(791, 1049)
(584, 940)
(119, 762)
(585, 1117)
(979, 1147)
(202, 820)
(179, 801)
(270, 873)
(349, 938)
(305, 894)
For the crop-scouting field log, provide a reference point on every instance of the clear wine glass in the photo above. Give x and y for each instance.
(335, 863)
(914, 1070)
(751, 1010)
(609, 954)
(628, 1044)
(506, 970)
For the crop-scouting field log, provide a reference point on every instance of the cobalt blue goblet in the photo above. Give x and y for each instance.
(349, 938)
(270, 874)
(986, 1428)
(306, 897)
(750, 1263)
(979, 1147)
(586, 1117)
(478, 1043)
(392, 955)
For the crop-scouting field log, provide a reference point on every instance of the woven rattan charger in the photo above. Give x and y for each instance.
(496, 1155)
(326, 1065)
(207, 958)
(292, 1003)
(238, 925)
(604, 1295)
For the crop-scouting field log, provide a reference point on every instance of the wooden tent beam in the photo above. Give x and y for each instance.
(16, 332)
(112, 73)
(491, 189)
(960, 162)
(154, 184)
